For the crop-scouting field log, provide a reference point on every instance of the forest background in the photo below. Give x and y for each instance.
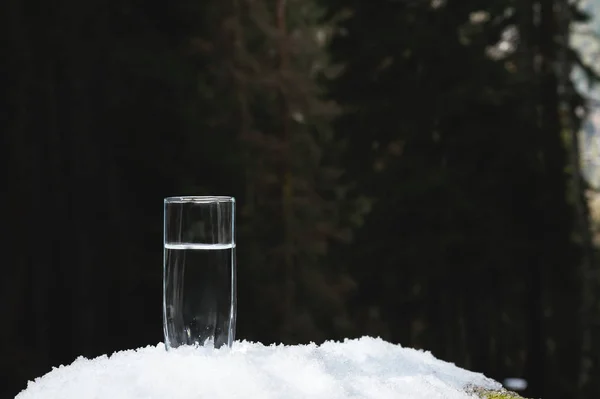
(407, 169)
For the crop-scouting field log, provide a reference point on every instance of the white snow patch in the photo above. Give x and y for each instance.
(361, 368)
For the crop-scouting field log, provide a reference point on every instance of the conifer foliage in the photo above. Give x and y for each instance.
(294, 204)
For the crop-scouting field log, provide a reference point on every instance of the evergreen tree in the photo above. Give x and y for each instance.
(293, 205)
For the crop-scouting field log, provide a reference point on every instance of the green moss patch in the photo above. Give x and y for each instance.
(491, 394)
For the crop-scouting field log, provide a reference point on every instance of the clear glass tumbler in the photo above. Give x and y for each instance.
(199, 280)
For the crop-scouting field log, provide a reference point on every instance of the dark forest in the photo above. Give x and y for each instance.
(403, 169)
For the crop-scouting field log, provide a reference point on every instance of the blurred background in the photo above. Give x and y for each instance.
(419, 170)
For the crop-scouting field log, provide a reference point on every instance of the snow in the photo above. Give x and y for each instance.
(515, 384)
(362, 368)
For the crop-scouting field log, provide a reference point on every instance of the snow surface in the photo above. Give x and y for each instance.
(363, 368)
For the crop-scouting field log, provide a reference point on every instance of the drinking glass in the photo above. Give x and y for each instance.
(199, 271)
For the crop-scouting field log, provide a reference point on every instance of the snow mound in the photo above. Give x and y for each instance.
(362, 368)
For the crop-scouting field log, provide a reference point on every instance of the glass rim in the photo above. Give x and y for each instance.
(199, 199)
